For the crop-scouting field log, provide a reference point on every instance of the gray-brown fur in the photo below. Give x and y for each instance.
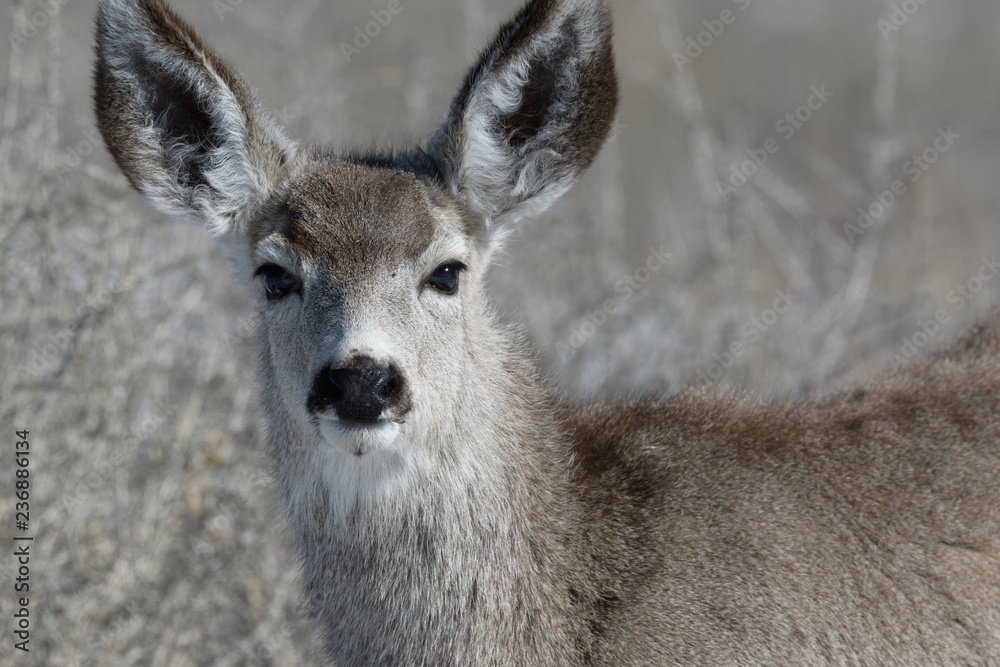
(479, 519)
(858, 528)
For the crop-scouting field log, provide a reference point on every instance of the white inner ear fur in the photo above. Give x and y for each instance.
(506, 184)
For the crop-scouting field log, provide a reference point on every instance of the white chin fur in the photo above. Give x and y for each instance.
(359, 441)
(368, 466)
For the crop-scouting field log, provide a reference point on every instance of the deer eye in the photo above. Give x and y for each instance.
(445, 278)
(278, 283)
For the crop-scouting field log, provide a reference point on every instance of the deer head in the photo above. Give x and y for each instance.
(377, 342)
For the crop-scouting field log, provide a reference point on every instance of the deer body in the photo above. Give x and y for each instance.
(447, 506)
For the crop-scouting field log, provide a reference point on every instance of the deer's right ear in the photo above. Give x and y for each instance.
(533, 113)
(182, 126)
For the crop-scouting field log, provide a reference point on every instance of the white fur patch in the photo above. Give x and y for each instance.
(359, 441)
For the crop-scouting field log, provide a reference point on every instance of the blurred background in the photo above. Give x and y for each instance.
(823, 175)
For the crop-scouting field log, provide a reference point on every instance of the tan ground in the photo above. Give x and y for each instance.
(122, 333)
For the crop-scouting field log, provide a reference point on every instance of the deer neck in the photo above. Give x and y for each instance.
(407, 555)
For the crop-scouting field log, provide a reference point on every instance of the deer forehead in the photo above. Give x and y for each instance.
(358, 221)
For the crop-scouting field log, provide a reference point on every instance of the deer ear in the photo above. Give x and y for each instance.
(534, 111)
(182, 126)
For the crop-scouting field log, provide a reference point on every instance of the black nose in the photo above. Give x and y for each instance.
(360, 391)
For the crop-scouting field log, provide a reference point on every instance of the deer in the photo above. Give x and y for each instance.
(447, 504)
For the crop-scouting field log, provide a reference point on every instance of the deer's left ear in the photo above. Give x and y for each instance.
(534, 111)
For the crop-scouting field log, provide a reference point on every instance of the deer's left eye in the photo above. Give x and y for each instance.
(445, 278)
(278, 283)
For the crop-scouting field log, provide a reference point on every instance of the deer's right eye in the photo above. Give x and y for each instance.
(278, 283)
